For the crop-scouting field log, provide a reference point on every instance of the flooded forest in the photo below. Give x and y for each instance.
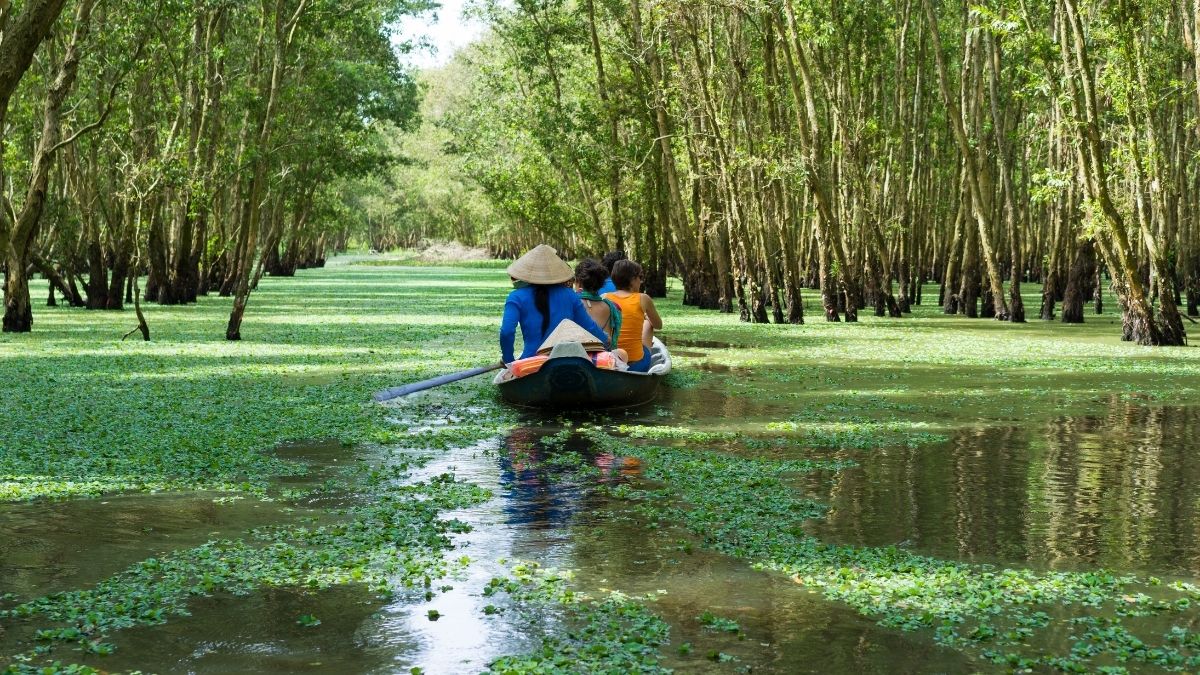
(924, 397)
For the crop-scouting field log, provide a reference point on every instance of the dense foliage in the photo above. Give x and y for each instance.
(201, 143)
(860, 148)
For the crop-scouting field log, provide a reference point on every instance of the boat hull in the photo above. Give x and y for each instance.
(573, 382)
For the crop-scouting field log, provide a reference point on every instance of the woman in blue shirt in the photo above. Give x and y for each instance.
(540, 302)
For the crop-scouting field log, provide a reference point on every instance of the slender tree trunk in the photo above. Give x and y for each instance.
(1137, 316)
(1082, 270)
(972, 162)
(18, 314)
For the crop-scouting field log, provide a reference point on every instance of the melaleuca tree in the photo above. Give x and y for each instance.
(204, 143)
(859, 148)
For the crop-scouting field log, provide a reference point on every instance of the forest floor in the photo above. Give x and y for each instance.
(930, 492)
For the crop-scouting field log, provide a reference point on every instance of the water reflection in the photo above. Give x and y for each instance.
(52, 546)
(265, 636)
(546, 511)
(531, 498)
(1120, 490)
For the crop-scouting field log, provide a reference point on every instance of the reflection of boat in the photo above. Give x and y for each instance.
(569, 380)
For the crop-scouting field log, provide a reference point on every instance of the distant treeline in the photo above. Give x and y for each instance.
(854, 146)
(203, 143)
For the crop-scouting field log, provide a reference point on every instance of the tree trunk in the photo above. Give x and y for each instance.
(21, 235)
(1137, 317)
(972, 162)
(18, 314)
(1082, 270)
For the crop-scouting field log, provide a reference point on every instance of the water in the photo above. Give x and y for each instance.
(549, 516)
(59, 546)
(1118, 490)
(260, 634)
(51, 546)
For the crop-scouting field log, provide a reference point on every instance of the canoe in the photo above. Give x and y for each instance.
(569, 380)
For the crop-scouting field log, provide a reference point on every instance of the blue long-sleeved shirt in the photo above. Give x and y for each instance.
(520, 309)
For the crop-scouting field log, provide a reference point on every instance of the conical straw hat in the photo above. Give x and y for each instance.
(541, 266)
(569, 331)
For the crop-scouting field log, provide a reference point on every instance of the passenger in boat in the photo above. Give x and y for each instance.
(639, 316)
(590, 277)
(608, 261)
(540, 301)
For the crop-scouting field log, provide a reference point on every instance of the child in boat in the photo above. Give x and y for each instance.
(569, 331)
(639, 316)
(540, 302)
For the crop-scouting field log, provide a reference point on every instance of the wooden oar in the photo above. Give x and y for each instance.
(405, 390)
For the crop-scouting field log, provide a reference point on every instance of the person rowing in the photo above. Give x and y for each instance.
(539, 302)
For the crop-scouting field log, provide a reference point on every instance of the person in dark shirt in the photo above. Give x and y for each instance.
(540, 302)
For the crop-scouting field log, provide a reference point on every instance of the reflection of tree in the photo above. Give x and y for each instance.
(952, 499)
(990, 506)
(1120, 490)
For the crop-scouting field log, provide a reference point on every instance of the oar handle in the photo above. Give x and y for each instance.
(405, 390)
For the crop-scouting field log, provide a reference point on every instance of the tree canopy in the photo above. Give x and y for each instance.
(201, 143)
(758, 148)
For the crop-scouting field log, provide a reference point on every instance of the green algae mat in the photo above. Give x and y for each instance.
(925, 493)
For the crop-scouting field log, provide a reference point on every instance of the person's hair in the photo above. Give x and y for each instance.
(611, 258)
(624, 272)
(590, 274)
(541, 300)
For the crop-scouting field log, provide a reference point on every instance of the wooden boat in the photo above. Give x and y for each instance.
(569, 380)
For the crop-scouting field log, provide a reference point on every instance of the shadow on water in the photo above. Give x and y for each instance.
(784, 628)
(261, 633)
(62, 545)
(1119, 490)
(702, 344)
